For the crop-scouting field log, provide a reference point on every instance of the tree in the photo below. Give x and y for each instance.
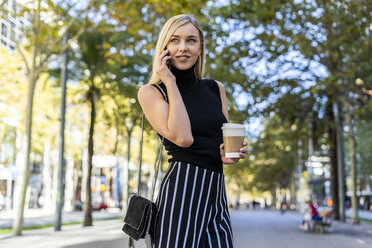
(322, 42)
(91, 44)
(43, 42)
(11, 107)
(364, 139)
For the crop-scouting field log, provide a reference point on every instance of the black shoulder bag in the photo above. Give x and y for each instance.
(139, 220)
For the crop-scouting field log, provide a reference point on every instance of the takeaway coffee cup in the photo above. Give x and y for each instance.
(233, 137)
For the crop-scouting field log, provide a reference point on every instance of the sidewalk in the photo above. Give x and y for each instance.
(105, 233)
(102, 234)
(108, 233)
(38, 217)
(363, 214)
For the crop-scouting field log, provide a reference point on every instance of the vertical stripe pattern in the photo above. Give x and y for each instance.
(192, 209)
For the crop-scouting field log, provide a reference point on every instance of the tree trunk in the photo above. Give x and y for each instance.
(88, 221)
(333, 160)
(18, 220)
(293, 189)
(118, 133)
(300, 180)
(340, 159)
(274, 196)
(353, 164)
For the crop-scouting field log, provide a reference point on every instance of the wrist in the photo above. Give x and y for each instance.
(169, 82)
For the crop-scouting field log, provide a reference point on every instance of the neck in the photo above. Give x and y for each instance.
(184, 77)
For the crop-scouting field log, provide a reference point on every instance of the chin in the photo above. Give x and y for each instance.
(183, 67)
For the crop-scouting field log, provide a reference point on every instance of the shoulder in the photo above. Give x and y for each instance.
(145, 90)
(220, 86)
(148, 91)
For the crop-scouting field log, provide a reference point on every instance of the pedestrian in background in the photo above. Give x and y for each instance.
(313, 211)
(188, 111)
(311, 214)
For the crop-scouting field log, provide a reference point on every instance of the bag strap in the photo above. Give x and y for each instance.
(140, 157)
(158, 162)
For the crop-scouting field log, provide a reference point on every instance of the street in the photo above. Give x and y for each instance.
(267, 229)
(252, 228)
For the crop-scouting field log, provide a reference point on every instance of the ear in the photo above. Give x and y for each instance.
(200, 50)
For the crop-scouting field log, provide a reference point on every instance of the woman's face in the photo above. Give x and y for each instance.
(184, 46)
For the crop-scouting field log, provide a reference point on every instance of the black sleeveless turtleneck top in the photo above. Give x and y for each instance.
(204, 107)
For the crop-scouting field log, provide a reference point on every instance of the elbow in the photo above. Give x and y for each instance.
(185, 142)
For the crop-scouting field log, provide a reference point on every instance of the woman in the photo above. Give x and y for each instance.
(188, 112)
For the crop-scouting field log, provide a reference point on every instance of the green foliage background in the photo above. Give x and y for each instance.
(283, 63)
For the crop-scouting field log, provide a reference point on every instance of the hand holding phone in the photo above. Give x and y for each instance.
(165, 73)
(168, 61)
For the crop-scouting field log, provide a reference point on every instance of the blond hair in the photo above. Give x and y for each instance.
(165, 35)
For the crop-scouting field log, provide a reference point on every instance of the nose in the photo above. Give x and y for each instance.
(182, 46)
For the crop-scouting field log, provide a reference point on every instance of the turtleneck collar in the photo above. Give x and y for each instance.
(184, 77)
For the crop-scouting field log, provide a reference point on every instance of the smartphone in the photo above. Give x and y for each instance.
(168, 60)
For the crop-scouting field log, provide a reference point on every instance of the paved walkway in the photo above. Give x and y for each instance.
(363, 214)
(38, 217)
(252, 228)
(103, 234)
(268, 229)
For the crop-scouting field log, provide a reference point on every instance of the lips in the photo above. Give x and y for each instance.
(183, 57)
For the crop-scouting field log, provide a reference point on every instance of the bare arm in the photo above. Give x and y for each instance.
(243, 150)
(223, 100)
(169, 120)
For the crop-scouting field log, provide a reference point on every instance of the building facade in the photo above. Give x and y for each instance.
(12, 26)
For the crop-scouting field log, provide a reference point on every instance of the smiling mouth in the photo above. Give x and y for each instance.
(182, 58)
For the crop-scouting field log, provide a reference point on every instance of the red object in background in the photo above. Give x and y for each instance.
(99, 207)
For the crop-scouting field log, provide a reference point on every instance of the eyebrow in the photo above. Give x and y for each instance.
(190, 36)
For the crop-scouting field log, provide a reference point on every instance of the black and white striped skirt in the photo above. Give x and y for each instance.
(192, 209)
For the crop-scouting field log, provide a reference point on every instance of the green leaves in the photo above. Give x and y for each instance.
(92, 51)
(294, 58)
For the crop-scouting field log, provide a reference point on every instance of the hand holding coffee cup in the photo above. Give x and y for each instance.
(233, 137)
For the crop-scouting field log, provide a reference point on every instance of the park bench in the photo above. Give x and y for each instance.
(319, 225)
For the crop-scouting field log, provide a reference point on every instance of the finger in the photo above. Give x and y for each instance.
(163, 55)
(164, 60)
(244, 143)
(164, 52)
(243, 150)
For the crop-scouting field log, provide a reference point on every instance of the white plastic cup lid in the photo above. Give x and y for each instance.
(232, 125)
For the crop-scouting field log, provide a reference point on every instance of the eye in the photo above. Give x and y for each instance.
(191, 40)
(173, 40)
